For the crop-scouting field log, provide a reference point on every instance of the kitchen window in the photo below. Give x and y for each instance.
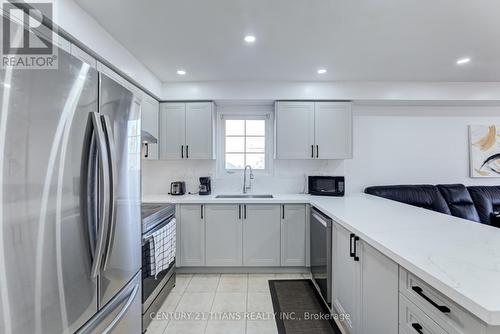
(245, 141)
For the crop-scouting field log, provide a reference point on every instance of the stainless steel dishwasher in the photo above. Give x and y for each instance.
(321, 253)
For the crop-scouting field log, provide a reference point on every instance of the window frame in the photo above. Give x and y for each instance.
(221, 138)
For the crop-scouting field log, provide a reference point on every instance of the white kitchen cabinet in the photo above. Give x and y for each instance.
(149, 123)
(199, 128)
(224, 246)
(333, 130)
(186, 130)
(364, 280)
(345, 277)
(172, 130)
(261, 235)
(313, 130)
(293, 235)
(294, 129)
(379, 286)
(192, 235)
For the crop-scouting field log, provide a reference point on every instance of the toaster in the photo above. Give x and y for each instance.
(177, 188)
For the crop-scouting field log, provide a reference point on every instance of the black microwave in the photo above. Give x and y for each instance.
(326, 185)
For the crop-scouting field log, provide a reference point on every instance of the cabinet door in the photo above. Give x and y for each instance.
(293, 235)
(172, 130)
(345, 278)
(379, 286)
(261, 235)
(192, 235)
(150, 109)
(294, 130)
(199, 124)
(224, 235)
(333, 130)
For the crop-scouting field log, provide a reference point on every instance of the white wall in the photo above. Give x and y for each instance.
(73, 19)
(411, 144)
(392, 145)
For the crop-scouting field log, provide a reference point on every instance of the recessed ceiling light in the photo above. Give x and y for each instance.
(462, 61)
(322, 71)
(181, 72)
(249, 39)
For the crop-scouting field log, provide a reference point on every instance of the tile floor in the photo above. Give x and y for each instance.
(202, 303)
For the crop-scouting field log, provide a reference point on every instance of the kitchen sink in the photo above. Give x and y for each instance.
(244, 196)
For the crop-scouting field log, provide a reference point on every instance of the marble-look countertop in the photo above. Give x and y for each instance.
(204, 199)
(458, 257)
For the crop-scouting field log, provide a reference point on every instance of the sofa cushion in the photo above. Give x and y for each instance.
(487, 200)
(459, 201)
(424, 196)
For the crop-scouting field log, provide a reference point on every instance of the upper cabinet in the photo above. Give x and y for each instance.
(187, 130)
(149, 118)
(313, 130)
(294, 130)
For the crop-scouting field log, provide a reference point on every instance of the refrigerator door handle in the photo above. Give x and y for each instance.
(123, 311)
(103, 192)
(112, 187)
(88, 185)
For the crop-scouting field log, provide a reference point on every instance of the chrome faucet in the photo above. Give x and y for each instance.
(245, 187)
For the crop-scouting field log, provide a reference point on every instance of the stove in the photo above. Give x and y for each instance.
(158, 225)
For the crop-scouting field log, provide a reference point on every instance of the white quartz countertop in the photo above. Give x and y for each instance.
(202, 199)
(458, 257)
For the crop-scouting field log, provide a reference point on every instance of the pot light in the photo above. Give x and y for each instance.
(322, 71)
(181, 72)
(463, 61)
(249, 39)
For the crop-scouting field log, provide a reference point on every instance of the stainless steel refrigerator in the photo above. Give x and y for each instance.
(70, 226)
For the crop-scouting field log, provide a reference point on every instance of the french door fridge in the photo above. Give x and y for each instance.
(70, 225)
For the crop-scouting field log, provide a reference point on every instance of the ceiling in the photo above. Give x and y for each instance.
(355, 40)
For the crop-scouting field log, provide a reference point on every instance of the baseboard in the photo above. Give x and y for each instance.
(243, 270)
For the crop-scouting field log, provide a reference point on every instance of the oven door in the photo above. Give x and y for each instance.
(152, 282)
(321, 253)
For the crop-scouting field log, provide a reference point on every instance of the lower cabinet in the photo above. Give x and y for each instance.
(365, 285)
(261, 235)
(345, 276)
(293, 235)
(235, 235)
(224, 235)
(191, 235)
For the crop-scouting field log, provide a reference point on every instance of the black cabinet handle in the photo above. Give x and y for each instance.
(201, 211)
(356, 257)
(317, 151)
(187, 151)
(312, 151)
(182, 151)
(245, 211)
(146, 146)
(351, 253)
(420, 292)
(283, 212)
(239, 211)
(417, 327)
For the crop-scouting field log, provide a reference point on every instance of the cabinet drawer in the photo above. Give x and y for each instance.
(413, 320)
(446, 313)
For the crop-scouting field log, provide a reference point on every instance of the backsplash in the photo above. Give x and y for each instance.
(287, 178)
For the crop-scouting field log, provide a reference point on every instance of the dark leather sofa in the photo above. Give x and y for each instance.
(477, 203)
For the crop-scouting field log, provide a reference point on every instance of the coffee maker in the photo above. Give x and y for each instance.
(205, 185)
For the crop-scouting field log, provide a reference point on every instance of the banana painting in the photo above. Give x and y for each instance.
(484, 150)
